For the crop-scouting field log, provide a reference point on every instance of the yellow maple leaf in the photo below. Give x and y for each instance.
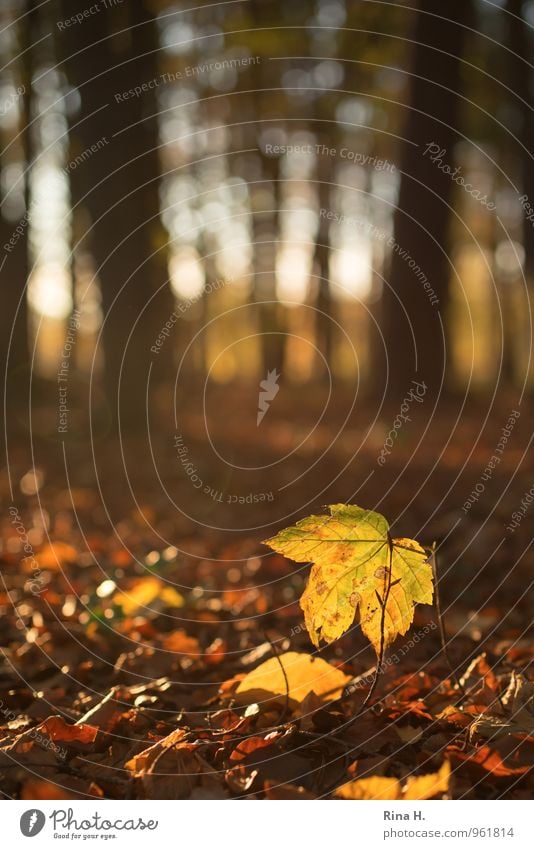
(143, 593)
(426, 786)
(292, 675)
(357, 566)
(375, 787)
(418, 787)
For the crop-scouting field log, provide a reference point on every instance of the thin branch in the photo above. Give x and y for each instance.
(277, 656)
(441, 620)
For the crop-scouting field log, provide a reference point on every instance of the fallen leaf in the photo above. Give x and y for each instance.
(376, 787)
(107, 712)
(53, 556)
(143, 593)
(144, 760)
(418, 787)
(493, 727)
(62, 732)
(36, 789)
(304, 674)
(286, 791)
(251, 745)
(408, 733)
(487, 762)
(179, 642)
(480, 682)
(519, 699)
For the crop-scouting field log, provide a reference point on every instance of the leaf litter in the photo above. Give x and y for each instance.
(133, 685)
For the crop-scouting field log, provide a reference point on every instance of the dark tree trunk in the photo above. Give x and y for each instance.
(105, 59)
(519, 80)
(413, 325)
(14, 261)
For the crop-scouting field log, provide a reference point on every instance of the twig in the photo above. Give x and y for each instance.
(441, 620)
(277, 656)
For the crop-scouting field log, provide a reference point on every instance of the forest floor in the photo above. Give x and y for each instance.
(133, 606)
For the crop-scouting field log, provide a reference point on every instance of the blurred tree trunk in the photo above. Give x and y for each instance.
(414, 342)
(324, 326)
(520, 81)
(266, 228)
(105, 59)
(266, 197)
(14, 354)
(15, 261)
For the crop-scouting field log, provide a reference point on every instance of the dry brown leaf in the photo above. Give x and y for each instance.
(408, 733)
(146, 758)
(519, 699)
(286, 791)
(488, 762)
(180, 642)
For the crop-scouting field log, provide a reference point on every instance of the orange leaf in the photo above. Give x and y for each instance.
(61, 732)
(36, 789)
(54, 555)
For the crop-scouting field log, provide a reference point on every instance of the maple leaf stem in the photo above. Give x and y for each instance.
(383, 603)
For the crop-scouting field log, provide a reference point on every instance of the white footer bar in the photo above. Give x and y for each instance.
(242, 824)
